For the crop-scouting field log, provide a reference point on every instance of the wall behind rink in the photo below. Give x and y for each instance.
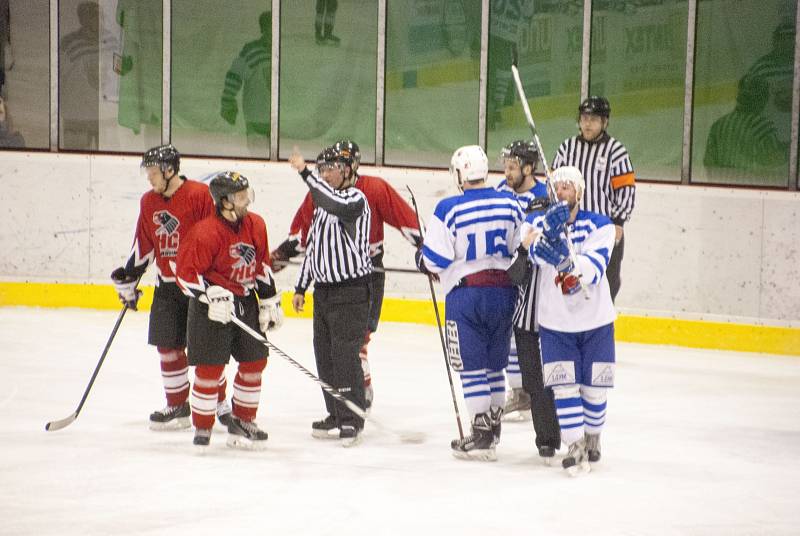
(712, 254)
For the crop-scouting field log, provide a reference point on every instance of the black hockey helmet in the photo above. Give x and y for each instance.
(162, 156)
(347, 152)
(524, 151)
(225, 184)
(595, 105)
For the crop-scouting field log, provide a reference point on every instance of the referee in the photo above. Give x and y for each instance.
(337, 261)
(608, 172)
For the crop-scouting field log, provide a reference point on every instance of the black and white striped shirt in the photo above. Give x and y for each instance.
(608, 172)
(525, 310)
(337, 249)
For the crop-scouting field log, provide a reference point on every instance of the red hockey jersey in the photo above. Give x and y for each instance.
(234, 256)
(163, 224)
(386, 206)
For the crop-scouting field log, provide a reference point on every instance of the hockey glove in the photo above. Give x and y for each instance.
(126, 288)
(569, 282)
(420, 262)
(554, 252)
(220, 304)
(270, 314)
(554, 220)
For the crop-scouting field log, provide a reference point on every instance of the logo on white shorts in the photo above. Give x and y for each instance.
(603, 374)
(453, 347)
(559, 373)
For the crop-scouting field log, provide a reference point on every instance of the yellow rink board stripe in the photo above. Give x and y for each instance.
(636, 329)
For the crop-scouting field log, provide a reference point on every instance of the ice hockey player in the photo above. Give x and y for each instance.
(337, 261)
(386, 207)
(470, 241)
(223, 267)
(167, 213)
(524, 372)
(576, 315)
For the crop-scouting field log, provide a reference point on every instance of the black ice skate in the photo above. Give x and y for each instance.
(202, 437)
(350, 435)
(496, 415)
(171, 418)
(246, 435)
(518, 406)
(327, 428)
(547, 453)
(480, 444)
(576, 459)
(593, 447)
(224, 415)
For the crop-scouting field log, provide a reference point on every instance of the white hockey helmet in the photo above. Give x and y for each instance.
(469, 164)
(572, 175)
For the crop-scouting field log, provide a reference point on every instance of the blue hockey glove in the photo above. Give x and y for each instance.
(554, 220)
(125, 286)
(554, 252)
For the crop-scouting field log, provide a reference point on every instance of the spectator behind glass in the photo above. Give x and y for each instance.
(9, 138)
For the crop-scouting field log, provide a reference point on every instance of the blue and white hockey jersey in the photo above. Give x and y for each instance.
(592, 236)
(468, 233)
(539, 190)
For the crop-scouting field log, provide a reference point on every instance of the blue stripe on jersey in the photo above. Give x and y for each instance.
(499, 217)
(437, 259)
(451, 222)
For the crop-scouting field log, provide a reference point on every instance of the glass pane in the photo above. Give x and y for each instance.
(110, 74)
(221, 76)
(743, 92)
(548, 37)
(24, 74)
(432, 80)
(328, 74)
(638, 62)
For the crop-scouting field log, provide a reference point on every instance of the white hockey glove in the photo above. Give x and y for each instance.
(270, 314)
(220, 304)
(125, 286)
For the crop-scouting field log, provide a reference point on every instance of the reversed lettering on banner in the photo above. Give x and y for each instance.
(453, 347)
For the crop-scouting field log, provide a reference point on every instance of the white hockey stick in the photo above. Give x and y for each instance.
(405, 437)
(550, 186)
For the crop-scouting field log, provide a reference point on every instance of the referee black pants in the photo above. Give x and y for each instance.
(615, 267)
(543, 411)
(341, 313)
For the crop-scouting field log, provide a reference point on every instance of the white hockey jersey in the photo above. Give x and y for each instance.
(592, 236)
(468, 233)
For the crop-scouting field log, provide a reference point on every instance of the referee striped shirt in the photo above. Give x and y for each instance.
(337, 249)
(608, 172)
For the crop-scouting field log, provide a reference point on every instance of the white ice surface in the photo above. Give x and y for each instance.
(697, 442)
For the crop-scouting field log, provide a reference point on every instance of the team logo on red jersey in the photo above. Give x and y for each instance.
(245, 253)
(167, 223)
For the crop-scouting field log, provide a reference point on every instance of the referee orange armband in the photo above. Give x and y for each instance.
(622, 180)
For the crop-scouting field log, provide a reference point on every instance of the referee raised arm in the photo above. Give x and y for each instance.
(337, 262)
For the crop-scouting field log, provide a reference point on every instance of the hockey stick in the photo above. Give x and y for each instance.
(405, 437)
(374, 268)
(439, 325)
(63, 423)
(550, 187)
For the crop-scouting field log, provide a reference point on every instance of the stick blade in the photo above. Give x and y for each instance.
(52, 426)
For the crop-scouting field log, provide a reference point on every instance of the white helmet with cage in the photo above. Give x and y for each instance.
(572, 175)
(469, 164)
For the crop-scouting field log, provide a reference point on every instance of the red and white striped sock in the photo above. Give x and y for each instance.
(223, 388)
(204, 394)
(174, 374)
(247, 389)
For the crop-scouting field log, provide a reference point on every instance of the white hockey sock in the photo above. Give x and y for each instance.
(594, 408)
(570, 412)
(497, 386)
(477, 394)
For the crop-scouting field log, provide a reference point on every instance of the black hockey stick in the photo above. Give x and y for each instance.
(406, 437)
(63, 423)
(374, 268)
(439, 325)
(550, 187)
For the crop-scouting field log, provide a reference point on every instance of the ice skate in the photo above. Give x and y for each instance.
(369, 394)
(518, 406)
(496, 416)
(171, 418)
(547, 453)
(350, 435)
(327, 428)
(593, 447)
(576, 459)
(246, 435)
(480, 445)
(224, 415)
(202, 437)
